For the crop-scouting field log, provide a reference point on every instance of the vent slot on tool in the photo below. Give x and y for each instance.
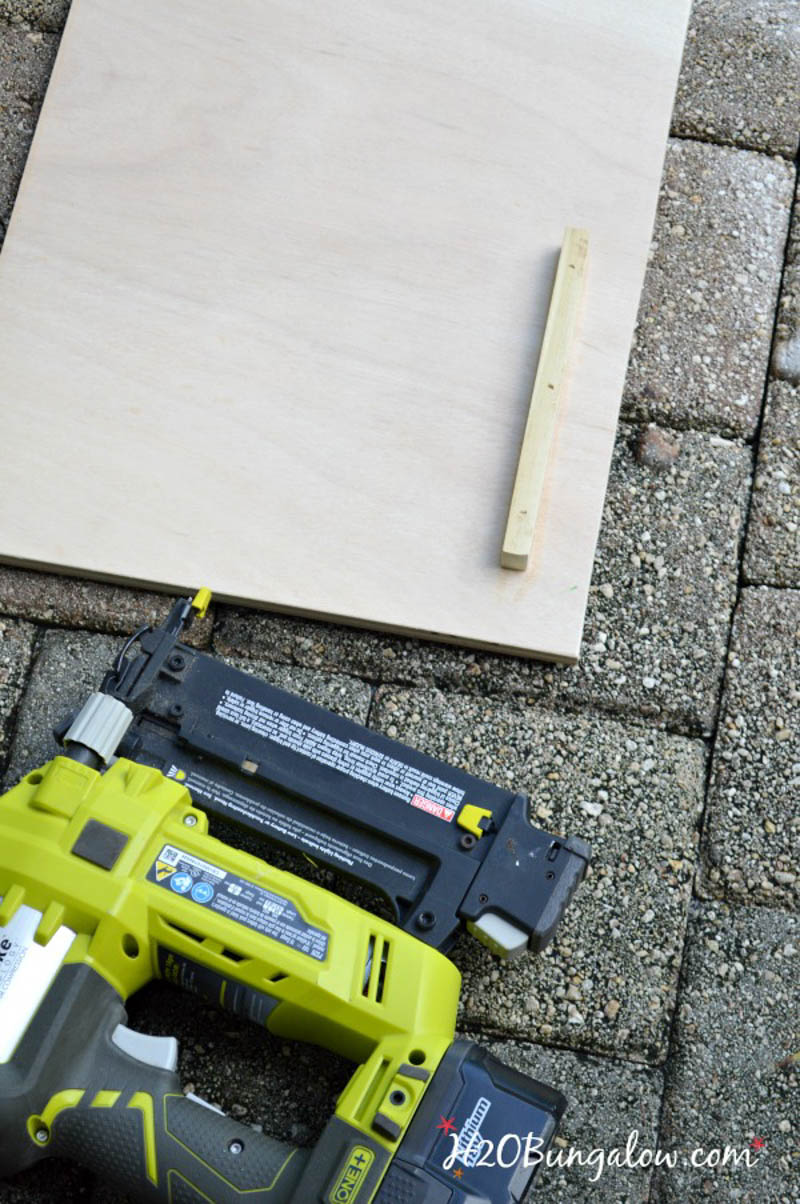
(230, 954)
(375, 967)
(193, 936)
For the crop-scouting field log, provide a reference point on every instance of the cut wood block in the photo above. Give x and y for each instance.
(558, 347)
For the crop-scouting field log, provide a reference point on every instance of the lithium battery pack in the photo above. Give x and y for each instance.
(478, 1137)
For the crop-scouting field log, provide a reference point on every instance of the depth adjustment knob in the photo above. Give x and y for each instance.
(99, 726)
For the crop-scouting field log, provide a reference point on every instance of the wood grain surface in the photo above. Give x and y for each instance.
(273, 294)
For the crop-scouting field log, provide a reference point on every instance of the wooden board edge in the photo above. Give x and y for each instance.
(561, 656)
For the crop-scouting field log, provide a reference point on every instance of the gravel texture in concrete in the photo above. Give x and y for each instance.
(664, 584)
(68, 666)
(343, 695)
(786, 349)
(734, 1073)
(740, 78)
(26, 59)
(16, 644)
(46, 15)
(607, 983)
(659, 610)
(70, 602)
(753, 827)
(52, 1180)
(286, 1087)
(702, 343)
(607, 1100)
(772, 550)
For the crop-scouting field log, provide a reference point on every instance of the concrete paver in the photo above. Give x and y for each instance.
(702, 343)
(607, 1101)
(786, 350)
(46, 15)
(772, 550)
(740, 77)
(732, 1079)
(71, 602)
(753, 824)
(607, 983)
(26, 59)
(664, 588)
(68, 666)
(16, 647)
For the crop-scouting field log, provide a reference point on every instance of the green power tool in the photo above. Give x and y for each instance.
(108, 878)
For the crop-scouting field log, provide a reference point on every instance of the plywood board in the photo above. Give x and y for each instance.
(273, 293)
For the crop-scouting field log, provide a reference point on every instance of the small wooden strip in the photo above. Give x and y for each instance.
(546, 398)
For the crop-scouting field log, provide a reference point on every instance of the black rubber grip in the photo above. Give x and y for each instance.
(187, 1151)
(71, 1091)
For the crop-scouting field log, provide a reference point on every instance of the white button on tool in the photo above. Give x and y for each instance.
(161, 1052)
(503, 938)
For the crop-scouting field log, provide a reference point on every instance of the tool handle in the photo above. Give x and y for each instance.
(161, 1146)
(80, 1085)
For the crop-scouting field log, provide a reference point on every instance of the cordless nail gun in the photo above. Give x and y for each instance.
(447, 849)
(108, 878)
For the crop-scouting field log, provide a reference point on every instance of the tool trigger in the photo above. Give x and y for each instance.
(161, 1052)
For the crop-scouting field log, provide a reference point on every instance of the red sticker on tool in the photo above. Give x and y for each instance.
(427, 804)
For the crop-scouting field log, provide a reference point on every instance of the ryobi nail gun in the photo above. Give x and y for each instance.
(108, 879)
(447, 849)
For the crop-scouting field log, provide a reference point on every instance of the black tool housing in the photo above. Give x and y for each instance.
(348, 797)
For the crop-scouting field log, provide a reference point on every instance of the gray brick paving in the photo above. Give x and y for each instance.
(753, 827)
(786, 352)
(70, 602)
(68, 666)
(26, 58)
(49, 1181)
(46, 15)
(16, 644)
(731, 1078)
(702, 343)
(608, 981)
(772, 551)
(657, 625)
(740, 77)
